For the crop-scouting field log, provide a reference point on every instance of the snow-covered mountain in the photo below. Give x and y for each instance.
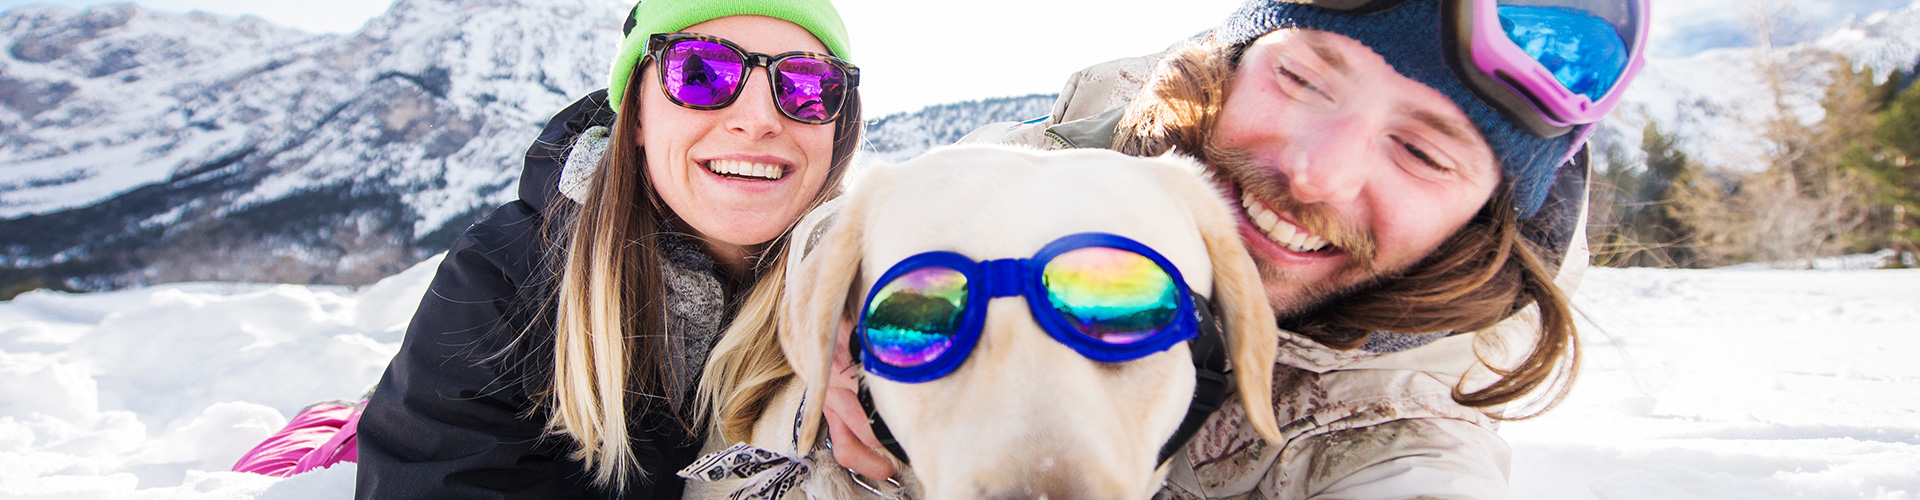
(902, 136)
(140, 147)
(1716, 101)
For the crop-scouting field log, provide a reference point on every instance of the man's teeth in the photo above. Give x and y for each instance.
(1280, 231)
(746, 169)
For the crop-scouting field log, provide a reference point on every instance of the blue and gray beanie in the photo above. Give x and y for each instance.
(1409, 38)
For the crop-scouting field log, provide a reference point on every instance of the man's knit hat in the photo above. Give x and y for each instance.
(667, 16)
(1409, 38)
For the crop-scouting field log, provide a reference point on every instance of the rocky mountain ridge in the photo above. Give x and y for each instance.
(198, 148)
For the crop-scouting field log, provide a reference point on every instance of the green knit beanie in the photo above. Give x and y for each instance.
(668, 16)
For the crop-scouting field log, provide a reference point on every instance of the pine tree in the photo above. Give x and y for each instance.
(1851, 103)
(1635, 223)
(1893, 161)
(1666, 166)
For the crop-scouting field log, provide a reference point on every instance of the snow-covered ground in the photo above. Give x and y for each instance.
(1734, 384)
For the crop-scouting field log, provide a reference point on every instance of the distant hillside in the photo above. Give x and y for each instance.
(899, 137)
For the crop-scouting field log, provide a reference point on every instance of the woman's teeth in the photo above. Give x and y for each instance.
(1280, 231)
(748, 169)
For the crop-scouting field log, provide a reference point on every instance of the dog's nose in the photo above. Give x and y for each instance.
(1035, 495)
(1056, 484)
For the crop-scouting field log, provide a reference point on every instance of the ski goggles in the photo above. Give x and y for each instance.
(706, 72)
(1550, 65)
(1109, 298)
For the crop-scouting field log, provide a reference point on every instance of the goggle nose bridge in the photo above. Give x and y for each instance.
(1004, 277)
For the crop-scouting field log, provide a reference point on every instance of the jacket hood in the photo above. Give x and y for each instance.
(546, 160)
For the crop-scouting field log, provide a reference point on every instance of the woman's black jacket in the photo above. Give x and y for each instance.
(453, 417)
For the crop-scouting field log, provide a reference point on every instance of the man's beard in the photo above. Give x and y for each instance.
(1314, 298)
(1355, 277)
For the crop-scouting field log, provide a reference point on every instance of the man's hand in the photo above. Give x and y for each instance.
(853, 443)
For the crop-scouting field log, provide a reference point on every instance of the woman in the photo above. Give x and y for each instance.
(557, 352)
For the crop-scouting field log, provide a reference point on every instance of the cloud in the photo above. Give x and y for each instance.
(1686, 27)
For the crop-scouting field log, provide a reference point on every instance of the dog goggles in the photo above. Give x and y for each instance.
(1550, 65)
(1109, 298)
(705, 72)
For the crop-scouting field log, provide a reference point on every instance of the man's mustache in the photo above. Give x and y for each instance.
(1271, 189)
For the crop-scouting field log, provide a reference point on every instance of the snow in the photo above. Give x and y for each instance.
(1877, 260)
(155, 392)
(1735, 384)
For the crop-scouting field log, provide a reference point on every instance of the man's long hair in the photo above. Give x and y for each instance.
(1482, 275)
(613, 350)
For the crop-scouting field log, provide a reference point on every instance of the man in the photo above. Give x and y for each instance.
(1416, 224)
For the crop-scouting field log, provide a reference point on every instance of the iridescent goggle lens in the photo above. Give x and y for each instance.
(1583, 51)
(1113, 296)
(705, 73)
(913, 319)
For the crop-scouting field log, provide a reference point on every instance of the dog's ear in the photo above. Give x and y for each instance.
(817, 289)
(1253, 337)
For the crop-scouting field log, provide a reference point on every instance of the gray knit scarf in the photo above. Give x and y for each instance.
(696, 305)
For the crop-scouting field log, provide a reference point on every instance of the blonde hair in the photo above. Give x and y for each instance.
(747, 367)
(613, 359)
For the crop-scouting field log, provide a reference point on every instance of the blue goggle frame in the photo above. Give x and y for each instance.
(987, 280)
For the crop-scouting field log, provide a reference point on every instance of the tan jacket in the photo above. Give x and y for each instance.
(1355, 424)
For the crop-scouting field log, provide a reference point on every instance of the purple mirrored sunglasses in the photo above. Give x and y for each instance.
(706, 72)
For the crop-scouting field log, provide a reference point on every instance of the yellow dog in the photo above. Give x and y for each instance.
(1023, 413)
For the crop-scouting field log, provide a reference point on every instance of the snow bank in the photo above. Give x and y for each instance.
(1858, 262)
(1721, 384)
(141, 393)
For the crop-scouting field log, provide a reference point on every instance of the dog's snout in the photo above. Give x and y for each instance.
(1039, 496)
(1049, 482)
(1030, 493)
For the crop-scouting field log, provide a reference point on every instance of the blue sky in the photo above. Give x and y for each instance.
(1031, 46)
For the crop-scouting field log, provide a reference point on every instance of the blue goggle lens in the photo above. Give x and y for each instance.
(913, 319)
(1584, 52)
(1114, 296)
